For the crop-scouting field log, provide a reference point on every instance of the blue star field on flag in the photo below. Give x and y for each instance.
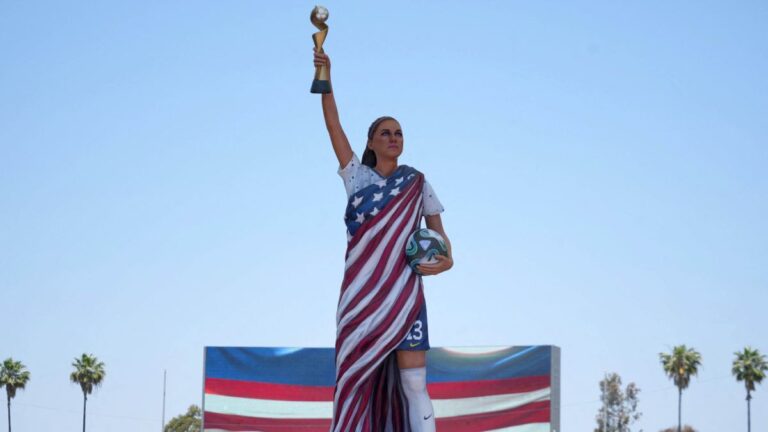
(367, 202)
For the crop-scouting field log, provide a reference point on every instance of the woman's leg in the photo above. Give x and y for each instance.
(413, 375)
(411, 359)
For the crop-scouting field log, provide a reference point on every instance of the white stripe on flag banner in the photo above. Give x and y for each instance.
(444, 408)
(266, 408)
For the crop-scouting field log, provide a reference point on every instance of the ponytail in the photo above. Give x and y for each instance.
(369, 158)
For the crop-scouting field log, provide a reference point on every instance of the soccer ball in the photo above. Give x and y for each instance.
(422, 246)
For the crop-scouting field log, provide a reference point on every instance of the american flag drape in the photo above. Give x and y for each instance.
(380, 299)
(513, 389)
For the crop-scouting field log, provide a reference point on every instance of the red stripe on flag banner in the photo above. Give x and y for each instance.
(465, 389)
(230, 422)
(534, 412)
(443, 390)
(261, 390)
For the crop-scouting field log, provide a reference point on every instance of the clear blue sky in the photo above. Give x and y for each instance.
(166, 183)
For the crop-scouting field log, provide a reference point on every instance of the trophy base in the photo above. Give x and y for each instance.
(321, 86)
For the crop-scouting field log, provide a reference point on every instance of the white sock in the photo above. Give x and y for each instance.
(420, 412)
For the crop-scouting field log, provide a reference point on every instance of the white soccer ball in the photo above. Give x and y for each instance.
(422, 246)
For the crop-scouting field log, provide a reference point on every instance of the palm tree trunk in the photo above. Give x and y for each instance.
(9, 413)
(85, 398)
(679, 410)
(749, 415)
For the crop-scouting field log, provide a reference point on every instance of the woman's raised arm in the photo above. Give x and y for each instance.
(338, 138)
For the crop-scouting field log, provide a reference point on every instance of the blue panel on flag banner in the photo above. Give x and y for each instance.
(447, 364)
(299, 366)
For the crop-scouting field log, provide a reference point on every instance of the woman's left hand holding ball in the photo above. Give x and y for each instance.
(443, 263)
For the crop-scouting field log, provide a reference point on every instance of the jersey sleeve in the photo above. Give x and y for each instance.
(430, 205)
(348, 174)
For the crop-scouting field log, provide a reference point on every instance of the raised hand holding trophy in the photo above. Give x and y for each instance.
(321, 83)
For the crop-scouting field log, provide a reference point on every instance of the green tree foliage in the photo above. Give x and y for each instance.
(619, 410)
(89, 373)
(13, 376)
(749, 366)
(680, 365)
(189, 422)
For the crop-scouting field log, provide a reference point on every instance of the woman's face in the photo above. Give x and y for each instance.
(387, 141)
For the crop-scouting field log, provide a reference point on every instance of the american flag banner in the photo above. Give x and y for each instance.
(514, 389)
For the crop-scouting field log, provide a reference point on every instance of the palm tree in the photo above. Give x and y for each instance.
(749, 366)
(89, 373)
(680, 365)
(13, 376)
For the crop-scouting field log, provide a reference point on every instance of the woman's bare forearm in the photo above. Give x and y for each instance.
(330, 112)
(338, 138)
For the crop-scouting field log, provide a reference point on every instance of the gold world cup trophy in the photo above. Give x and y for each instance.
(319, 15)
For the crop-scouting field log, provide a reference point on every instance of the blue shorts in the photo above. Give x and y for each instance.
(418, 338)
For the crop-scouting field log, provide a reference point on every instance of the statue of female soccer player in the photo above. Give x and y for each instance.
(381, 334)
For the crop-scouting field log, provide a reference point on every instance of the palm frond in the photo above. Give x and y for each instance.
(89, 372)
(13, 376)
(749, 366)
(681, 364)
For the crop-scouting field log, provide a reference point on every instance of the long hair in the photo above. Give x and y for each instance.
(369, 157)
